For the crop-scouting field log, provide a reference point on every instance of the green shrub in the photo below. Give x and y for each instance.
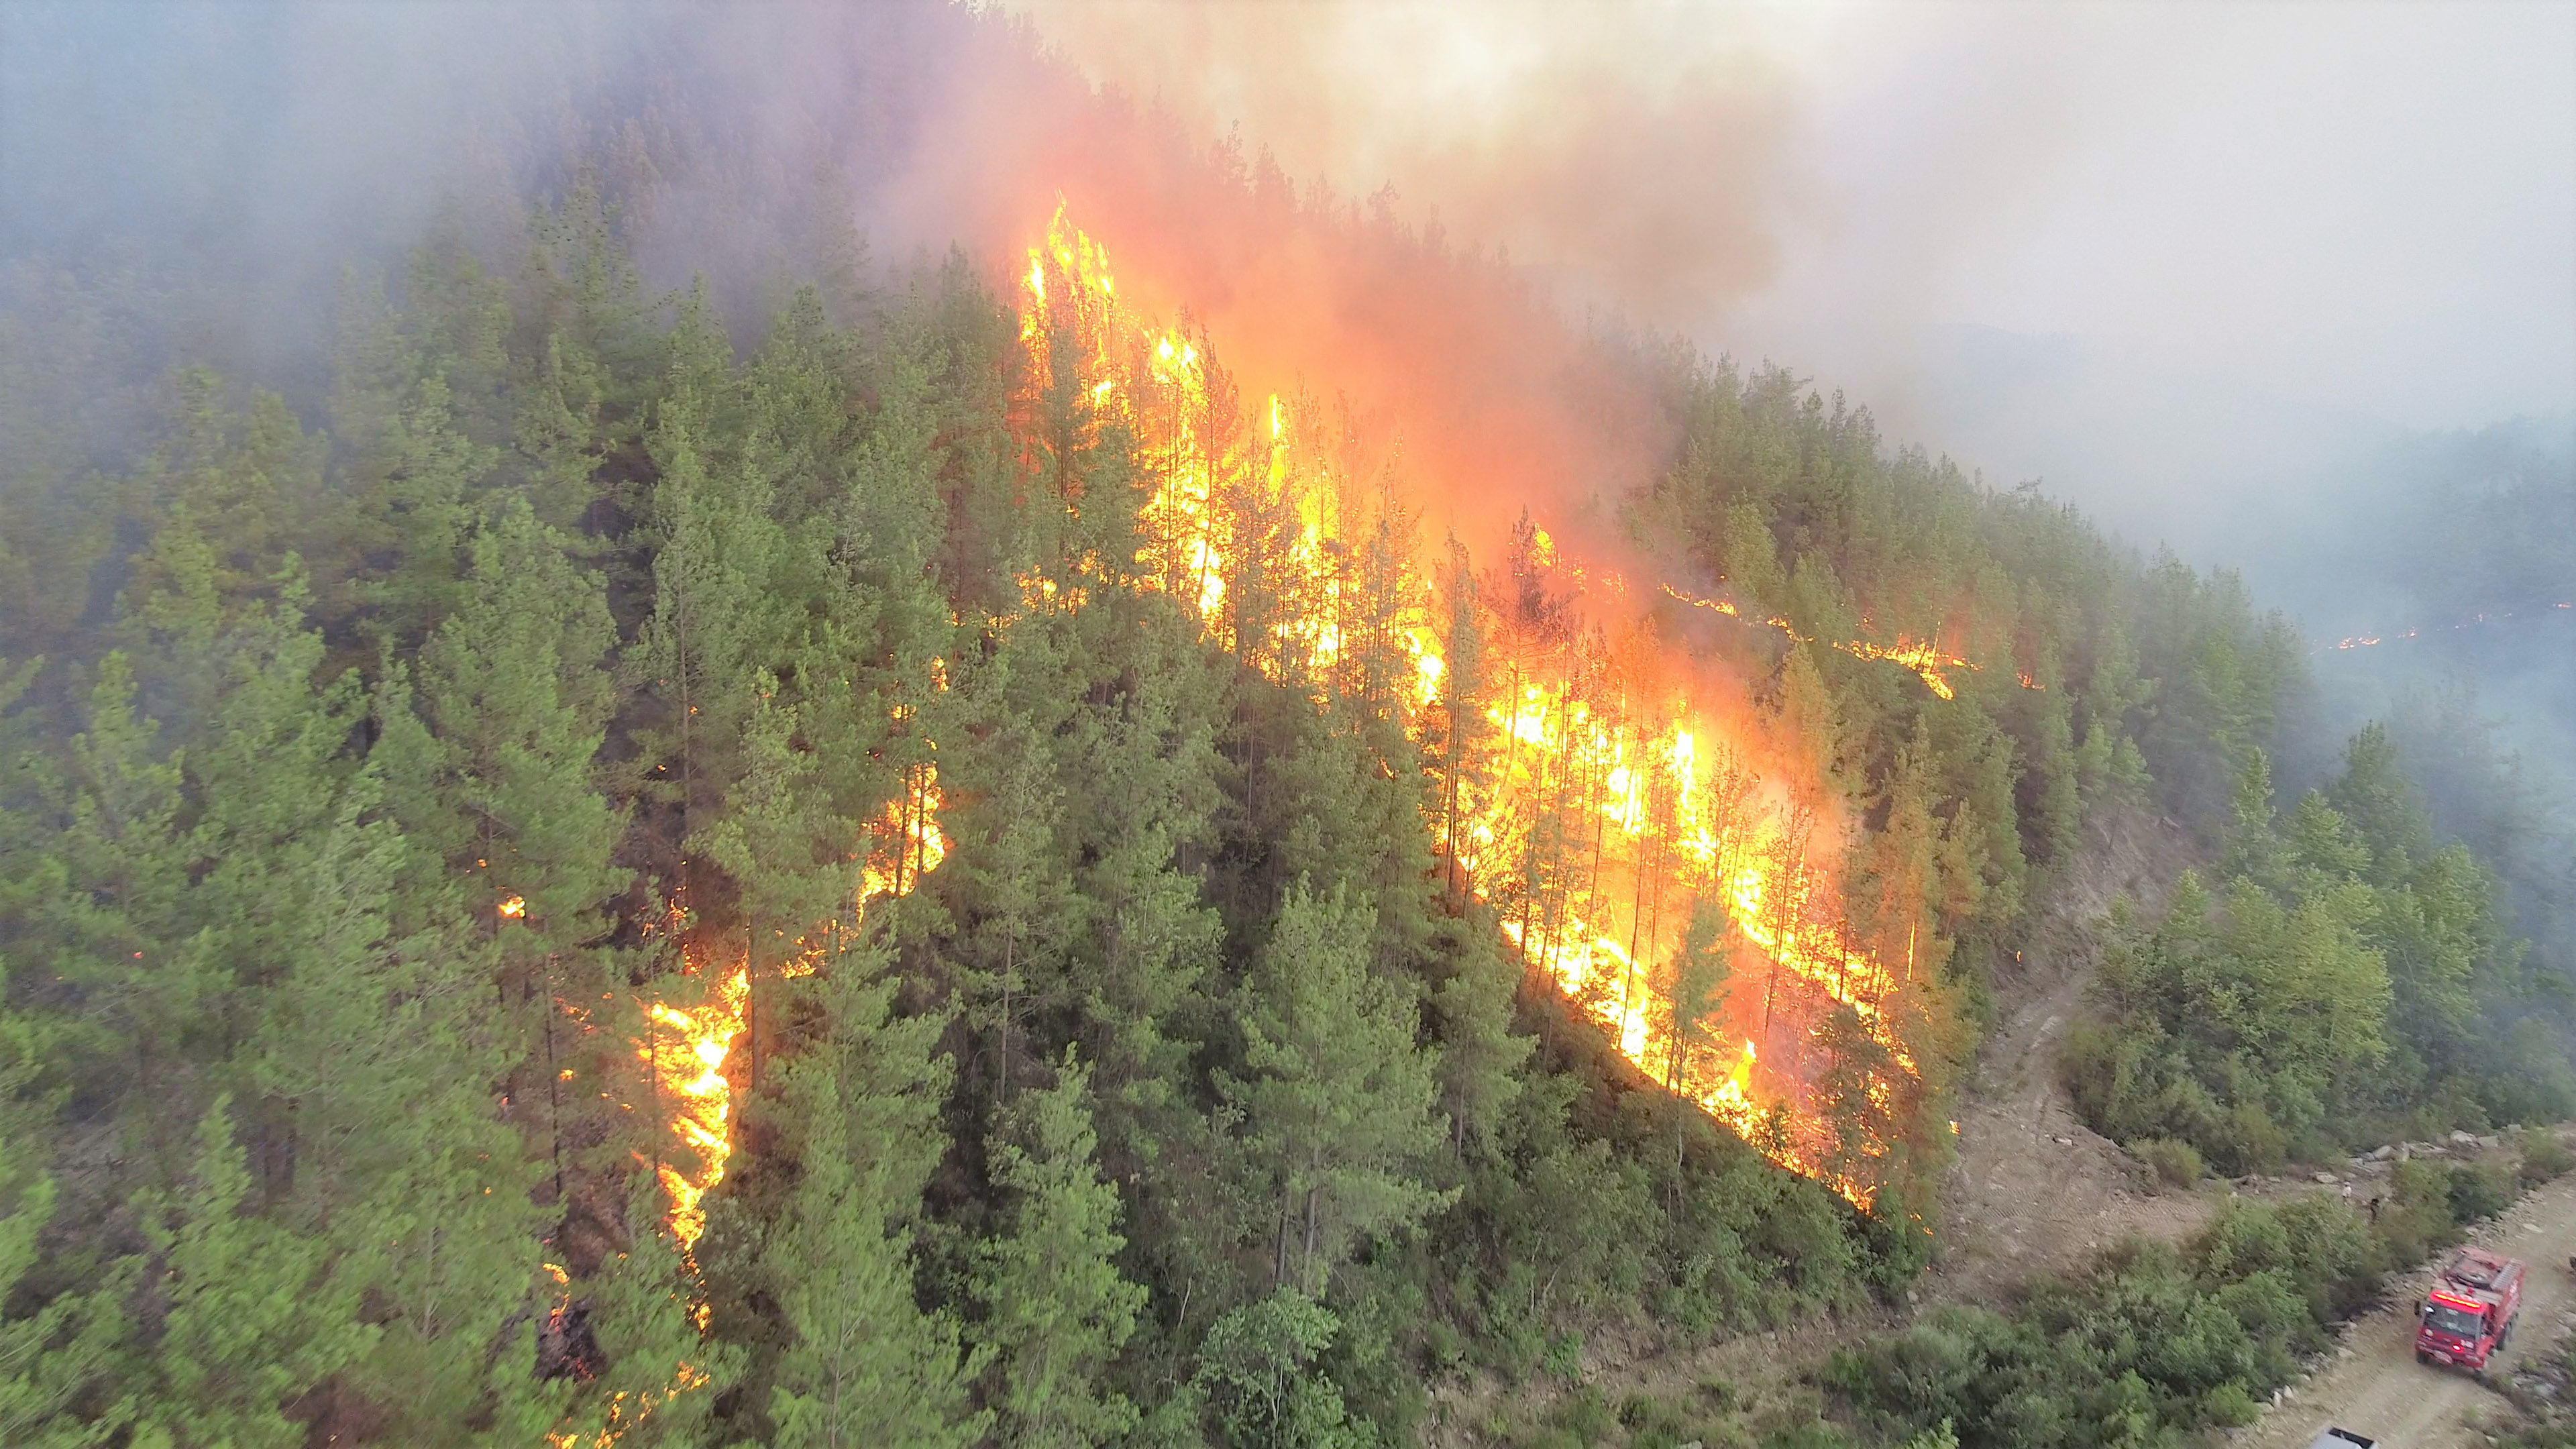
(1653, 1423)
(1564, 1357)
(2313, 1244)
(2479, 1192)
(2176, 1164)
(2133, 1082)
(1585, 1416)
(2150, 1346)
(2415, 1219)
(2543, 1157)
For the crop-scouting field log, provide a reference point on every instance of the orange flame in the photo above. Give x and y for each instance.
(626, 1410)
(1925, 660)
(684, 1048)
(1599, 819)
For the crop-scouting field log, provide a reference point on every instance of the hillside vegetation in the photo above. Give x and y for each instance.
(393, 760)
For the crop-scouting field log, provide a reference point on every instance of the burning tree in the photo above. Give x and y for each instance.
(1601, 807)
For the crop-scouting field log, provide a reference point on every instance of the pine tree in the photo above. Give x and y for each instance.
(716, 620)
(242, 481)
(512, 684)
(1056, 1309)
(655, 1377)
(1750, 556)
(1481, 1057)
(787, 850)
(67, 1345)
(1338, 1104)
(1694, 989)
(863, 1365)
(1899, 871)
(1137, 760)
(381, 1055)
(1009, 884)
(495, 784)
(2382, 804)
(100, 893)
(2108, 766)
(255, 1313)
(416, 500)
(1810, 727)
(1461, 715)
(2254, 845)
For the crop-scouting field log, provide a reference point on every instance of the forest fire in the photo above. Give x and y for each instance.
(1925, 660)
(2365, 641)
(685, 1049)
(1603, 804)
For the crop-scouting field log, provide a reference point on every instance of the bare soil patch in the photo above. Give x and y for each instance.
(2034, 1190)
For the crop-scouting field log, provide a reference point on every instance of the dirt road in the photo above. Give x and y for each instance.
(2035, 1191)
(2376, 1388)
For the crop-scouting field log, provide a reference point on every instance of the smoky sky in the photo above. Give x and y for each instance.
(2165, 256)
(2198, 267)
(2180, 261)
(253, 161)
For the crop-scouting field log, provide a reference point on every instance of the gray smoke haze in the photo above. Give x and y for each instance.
(2239, 279)
(2205, 269)
(276, 145)
(2163, 255)
(2166, 257)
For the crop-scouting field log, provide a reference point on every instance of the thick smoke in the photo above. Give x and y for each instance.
(1823, 185)
(2164, 256)
(2208, 272)
(255, 160)
(1643, 153)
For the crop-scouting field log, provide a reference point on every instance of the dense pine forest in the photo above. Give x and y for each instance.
(411, 750)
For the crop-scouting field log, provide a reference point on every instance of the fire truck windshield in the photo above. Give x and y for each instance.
(2457, 1322)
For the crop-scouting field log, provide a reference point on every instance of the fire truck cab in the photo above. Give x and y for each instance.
(2470, 1310)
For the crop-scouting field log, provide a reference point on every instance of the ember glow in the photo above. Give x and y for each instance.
(684, 1051)
(2365, 641)
(1605, 801)
(626, 1411)
(1924, 659)
(685, 1048)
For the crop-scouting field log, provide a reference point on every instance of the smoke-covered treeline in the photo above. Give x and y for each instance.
(2439, 581)
(413, 711)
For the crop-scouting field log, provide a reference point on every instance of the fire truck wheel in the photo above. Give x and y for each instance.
(2422, 1357)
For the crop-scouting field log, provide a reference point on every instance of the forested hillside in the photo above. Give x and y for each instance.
(624, 869)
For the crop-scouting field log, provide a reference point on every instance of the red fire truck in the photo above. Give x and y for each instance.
(2470, 1310)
